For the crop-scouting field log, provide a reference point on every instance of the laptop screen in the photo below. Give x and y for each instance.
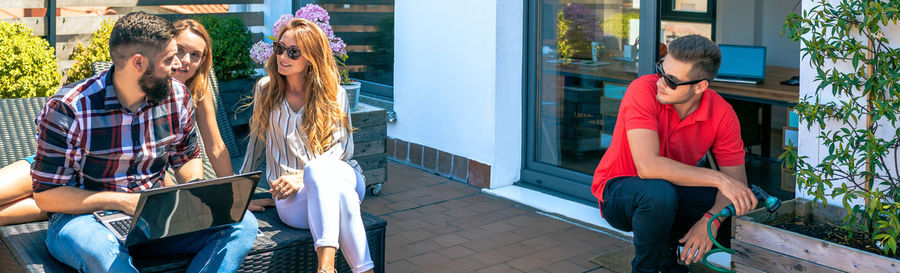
(742, 62)
(187, 208)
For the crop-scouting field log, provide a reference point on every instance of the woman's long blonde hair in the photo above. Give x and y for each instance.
(322, 110)
(199, 83)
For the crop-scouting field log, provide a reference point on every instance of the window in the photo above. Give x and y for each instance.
(580, 57)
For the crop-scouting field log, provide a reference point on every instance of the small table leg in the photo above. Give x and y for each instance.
(766, 132)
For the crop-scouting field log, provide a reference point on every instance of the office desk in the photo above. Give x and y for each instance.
(767, 93)
(770, 91)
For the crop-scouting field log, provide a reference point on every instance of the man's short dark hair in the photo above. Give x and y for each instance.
(701, 52)
(139, 33)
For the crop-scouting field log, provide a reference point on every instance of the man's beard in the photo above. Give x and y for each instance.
(156, 89)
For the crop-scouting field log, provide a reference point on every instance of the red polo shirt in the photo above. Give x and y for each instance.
(713, 125)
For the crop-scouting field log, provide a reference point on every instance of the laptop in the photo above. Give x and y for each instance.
(184, 208)
(742, 64)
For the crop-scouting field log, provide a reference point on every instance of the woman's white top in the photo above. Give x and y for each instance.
(285, 144)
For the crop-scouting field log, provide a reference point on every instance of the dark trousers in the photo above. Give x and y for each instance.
(659, 213)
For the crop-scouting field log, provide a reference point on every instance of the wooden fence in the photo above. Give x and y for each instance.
(370, 48)
(63, 32)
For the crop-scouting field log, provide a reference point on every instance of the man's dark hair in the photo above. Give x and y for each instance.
(139, 33)
(701, 52)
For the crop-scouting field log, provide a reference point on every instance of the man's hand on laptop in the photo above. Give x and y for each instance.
(286, 185)
(127, 202)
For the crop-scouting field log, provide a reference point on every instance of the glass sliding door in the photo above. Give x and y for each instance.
(580, 57)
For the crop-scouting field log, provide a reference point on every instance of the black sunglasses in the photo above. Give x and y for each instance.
(671, 83)
(292, 52)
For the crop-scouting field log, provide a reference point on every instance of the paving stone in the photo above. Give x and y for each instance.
(455, 252)
(528, 263)
(439, 225)
(401, 267)
(500, 268)
(428, 260)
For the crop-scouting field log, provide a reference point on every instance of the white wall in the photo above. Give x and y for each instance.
(758, 23)
(781, 50)
(508, 130)
(809, 145)
(457, 80)
(734, 15)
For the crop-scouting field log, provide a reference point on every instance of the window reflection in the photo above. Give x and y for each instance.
(588, 52)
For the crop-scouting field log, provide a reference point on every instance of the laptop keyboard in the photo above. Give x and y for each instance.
(121, 226)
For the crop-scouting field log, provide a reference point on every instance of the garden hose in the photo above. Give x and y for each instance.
(771, 203)
(726, 212)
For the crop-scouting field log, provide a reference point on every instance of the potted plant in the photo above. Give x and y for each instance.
(28, 65)
(231, 62)
(261, 51)
(853, 110)
(576, 28)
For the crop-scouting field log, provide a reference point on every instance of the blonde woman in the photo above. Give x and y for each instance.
(195, 54)
(300, 124)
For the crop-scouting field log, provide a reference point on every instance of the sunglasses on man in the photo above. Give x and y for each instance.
(293, 52)
(672, 83)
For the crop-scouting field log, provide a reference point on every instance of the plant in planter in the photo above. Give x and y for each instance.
(855, 108)
(576, 27)
(28, 65)
(97, 50)
(231, 62)
(261, 51)
(230, 39)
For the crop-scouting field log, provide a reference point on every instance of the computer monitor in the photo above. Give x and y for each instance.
(742, 62)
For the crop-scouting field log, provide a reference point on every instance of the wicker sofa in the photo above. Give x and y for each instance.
(279, 249)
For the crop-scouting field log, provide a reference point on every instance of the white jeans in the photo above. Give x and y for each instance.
(328, 205)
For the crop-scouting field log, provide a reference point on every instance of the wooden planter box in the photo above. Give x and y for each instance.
(760, 247)
(369, 141)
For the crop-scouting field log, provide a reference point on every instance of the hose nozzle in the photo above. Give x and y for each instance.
(770, 202)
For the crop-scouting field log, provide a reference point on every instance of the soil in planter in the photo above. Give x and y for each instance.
(857, 240)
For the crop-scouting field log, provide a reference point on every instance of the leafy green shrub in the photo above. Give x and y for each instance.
(95, 51)
(230, 41)
(848, 46)
(28, 65)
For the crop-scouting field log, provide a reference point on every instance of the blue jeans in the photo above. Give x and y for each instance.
(659, 213)
(83, 243)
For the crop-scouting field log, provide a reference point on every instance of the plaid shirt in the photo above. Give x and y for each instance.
(87, 139)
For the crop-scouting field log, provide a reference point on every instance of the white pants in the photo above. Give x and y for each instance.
(328, 205)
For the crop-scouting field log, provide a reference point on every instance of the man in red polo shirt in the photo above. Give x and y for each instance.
(648, 182)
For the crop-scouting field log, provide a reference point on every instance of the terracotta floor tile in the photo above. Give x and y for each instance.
(448, 240)
(439, 225)
(455, 252)
(427, 260)
(401, 267)
(464, 264)
(491, 257)
(565, 266)
(528, 263)
(500, 268)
